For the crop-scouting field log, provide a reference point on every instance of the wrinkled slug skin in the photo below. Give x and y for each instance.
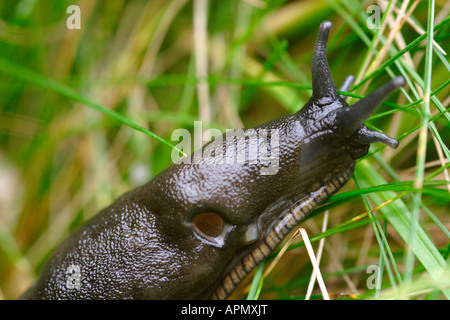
(153, 244)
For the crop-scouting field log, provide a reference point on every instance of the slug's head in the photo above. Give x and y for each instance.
(327, 113)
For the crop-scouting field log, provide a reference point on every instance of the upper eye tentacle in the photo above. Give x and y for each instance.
(352, 118)
(347, 85)
(322, 80)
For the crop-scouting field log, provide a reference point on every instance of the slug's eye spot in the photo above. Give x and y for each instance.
(208, 225)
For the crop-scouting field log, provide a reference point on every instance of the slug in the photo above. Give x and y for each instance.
(199, 227)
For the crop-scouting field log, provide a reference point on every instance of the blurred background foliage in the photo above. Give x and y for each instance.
(62, 160)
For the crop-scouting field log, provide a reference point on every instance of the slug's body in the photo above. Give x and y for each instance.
(197, 229)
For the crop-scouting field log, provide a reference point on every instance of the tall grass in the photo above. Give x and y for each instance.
(87, 114)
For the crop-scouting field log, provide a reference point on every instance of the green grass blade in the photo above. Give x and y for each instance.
(421, 149)
(382, 243)
(398, 215)
(257, 282)
(20, 72)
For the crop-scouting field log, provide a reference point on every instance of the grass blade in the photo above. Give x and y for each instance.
(257, 283)
(398, 215)
(28, 75)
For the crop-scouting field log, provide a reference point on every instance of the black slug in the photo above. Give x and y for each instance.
(199, 227)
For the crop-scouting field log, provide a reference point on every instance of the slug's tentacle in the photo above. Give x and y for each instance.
(322, 81)
(352, 118)
(349, 119)
(347, 85)
(367, 136)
